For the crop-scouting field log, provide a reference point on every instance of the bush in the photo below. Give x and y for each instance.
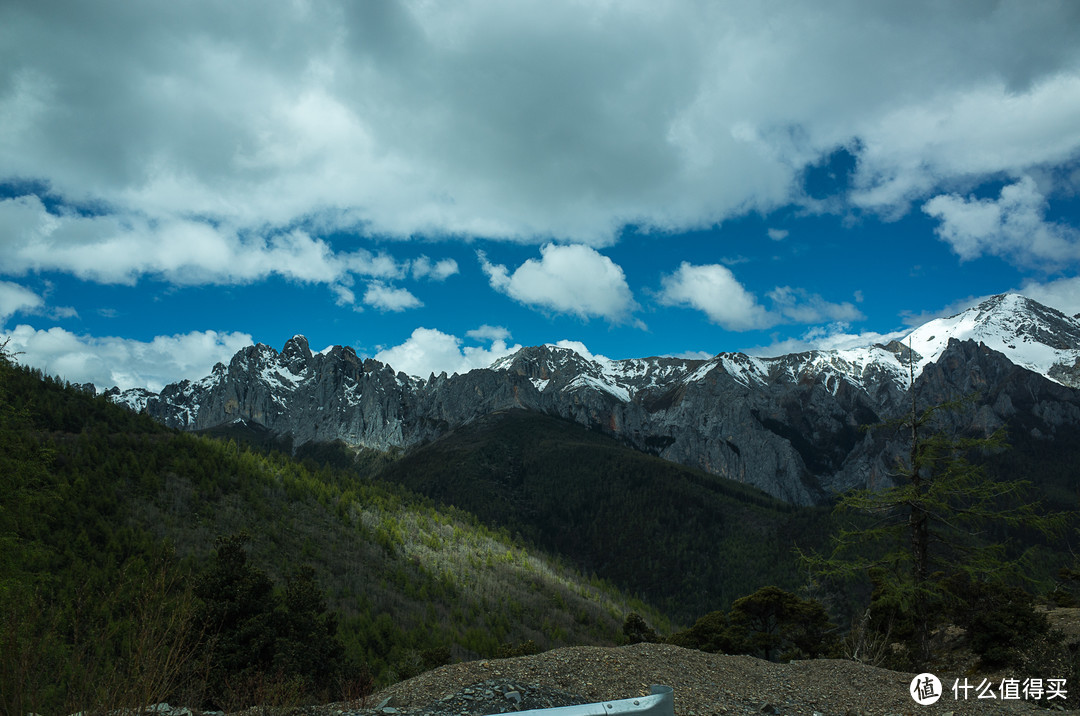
(637, 630)
(709, 633)
(770, 623)
(1000, 619)
(778, 625)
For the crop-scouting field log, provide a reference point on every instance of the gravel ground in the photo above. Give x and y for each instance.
(703, 684)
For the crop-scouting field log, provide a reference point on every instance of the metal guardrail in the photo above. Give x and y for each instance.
(661, 702)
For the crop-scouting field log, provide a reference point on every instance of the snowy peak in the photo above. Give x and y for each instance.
(553, 368)
(1029, 334)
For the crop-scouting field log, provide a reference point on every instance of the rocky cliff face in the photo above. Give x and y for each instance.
(789, 425)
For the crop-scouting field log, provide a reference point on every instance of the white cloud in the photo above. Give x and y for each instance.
(1013, 226)
(388, 298)
(825, 338)
(345, 295)
(797, 305)
(113, 249)
(778, 234)
(412, 118)
(691, 355)
(15, 298)
(714, 290)
(439, 271)
(429, 351)
(976, 129)
(573, 279)
(1062, 294)
(123, 362)
(488, 333)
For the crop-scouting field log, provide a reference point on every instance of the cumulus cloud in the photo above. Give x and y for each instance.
(1014, 225)
(488, 333)
(976, 129)
(123, 362)
(429, 350)
(796, 305)
(388, 298)
(15, 298)
(573, 279)
(714, 290)
(778, 234)
(412, 118)
(692, 355)
(422, 267)
(344, 294)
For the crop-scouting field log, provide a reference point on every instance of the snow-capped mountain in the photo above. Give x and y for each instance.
(1031, 335)
(789, 425)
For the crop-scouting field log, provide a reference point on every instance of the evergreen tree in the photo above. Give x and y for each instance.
(307, 644)
(775, 624)
(238, 612)
(933, 524)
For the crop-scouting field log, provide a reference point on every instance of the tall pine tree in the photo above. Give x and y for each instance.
(933, 523)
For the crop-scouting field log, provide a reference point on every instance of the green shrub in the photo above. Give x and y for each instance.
(637, 630)
(1000, 619)
(770, 623)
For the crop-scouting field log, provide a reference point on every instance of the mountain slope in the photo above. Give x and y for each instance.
(92, 494)
(789, 425)
(688, 541)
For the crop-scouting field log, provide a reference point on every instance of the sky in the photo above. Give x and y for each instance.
(437, 184)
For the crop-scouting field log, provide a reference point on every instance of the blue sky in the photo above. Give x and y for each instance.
(437, 184)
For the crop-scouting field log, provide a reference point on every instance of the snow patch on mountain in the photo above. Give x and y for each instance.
(1030, 335)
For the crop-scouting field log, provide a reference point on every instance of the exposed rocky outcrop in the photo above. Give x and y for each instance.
(792, 426)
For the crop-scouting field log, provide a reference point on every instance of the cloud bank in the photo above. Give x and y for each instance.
(230, 124)
(124, 362)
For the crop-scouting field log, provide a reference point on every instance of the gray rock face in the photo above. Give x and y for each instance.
(789, 425)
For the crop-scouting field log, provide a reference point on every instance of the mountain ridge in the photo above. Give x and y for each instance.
(789, 425)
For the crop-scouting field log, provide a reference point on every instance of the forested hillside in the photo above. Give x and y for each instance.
(685, 540)
(109, 527)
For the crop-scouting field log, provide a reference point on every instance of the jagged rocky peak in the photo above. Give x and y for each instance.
(296, 354)
(297, 347)
(342, 353)
(540, 362)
